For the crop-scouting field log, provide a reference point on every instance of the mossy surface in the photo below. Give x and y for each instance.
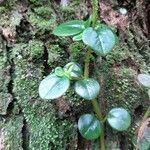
(11, 133)
(5, 96)
(46, 130)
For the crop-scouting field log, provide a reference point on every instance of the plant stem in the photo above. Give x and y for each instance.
(95, 104)
(87, 62)
(95, 12)
(97, 110)
(147, 114)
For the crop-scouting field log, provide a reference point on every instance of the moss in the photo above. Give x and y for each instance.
(11, 133)
(47, 131)
(38, 2)
(77, 51)
(5, 96)
(72, 10)
(37, 49)
(42, 19)
(2, 9)
(56, 55)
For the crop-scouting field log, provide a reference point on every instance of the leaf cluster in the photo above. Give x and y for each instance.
(101, 40)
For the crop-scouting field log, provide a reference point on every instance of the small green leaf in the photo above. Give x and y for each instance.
(87, 88)
(119, 119)
(77, 37)
(102, 40)
(144, 79)
(59, 71)
(73, 69)
(53, 87)
(69, 28)
(89, 126)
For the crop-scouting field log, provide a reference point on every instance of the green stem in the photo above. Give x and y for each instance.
(95, 104)
(147, 114)
(95, 12)
(97, 110)
(87, 62)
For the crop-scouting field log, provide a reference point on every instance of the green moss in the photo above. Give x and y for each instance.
(56, 55)
(38, 2)
(42, 19)
(77, 51)
(5, 96)
(37, 49)
(2, 9)
(11, 133)
(47, 131)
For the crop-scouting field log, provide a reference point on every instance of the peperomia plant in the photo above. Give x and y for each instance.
(98, 38)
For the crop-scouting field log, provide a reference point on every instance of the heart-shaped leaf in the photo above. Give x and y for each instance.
(89, 126)
(69, 28)
(144, 79)
(119, 119)
(102, 40)
(87, 88)
(73, 69)
(53, 87)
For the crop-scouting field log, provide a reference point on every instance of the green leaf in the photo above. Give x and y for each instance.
(69, 28)
(119, 119)
(53, 87)
(144, 79)
(102, 40)
(59, 71)
(87, 88)
(73, 69)
(77, 37)
(89, 126)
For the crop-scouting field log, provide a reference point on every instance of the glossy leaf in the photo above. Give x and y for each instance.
(102, 40)
(87, 88)
(144, 79)
(73, 69)
(53, 87)
(69, 28)
(89, 126)
(119, 119)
